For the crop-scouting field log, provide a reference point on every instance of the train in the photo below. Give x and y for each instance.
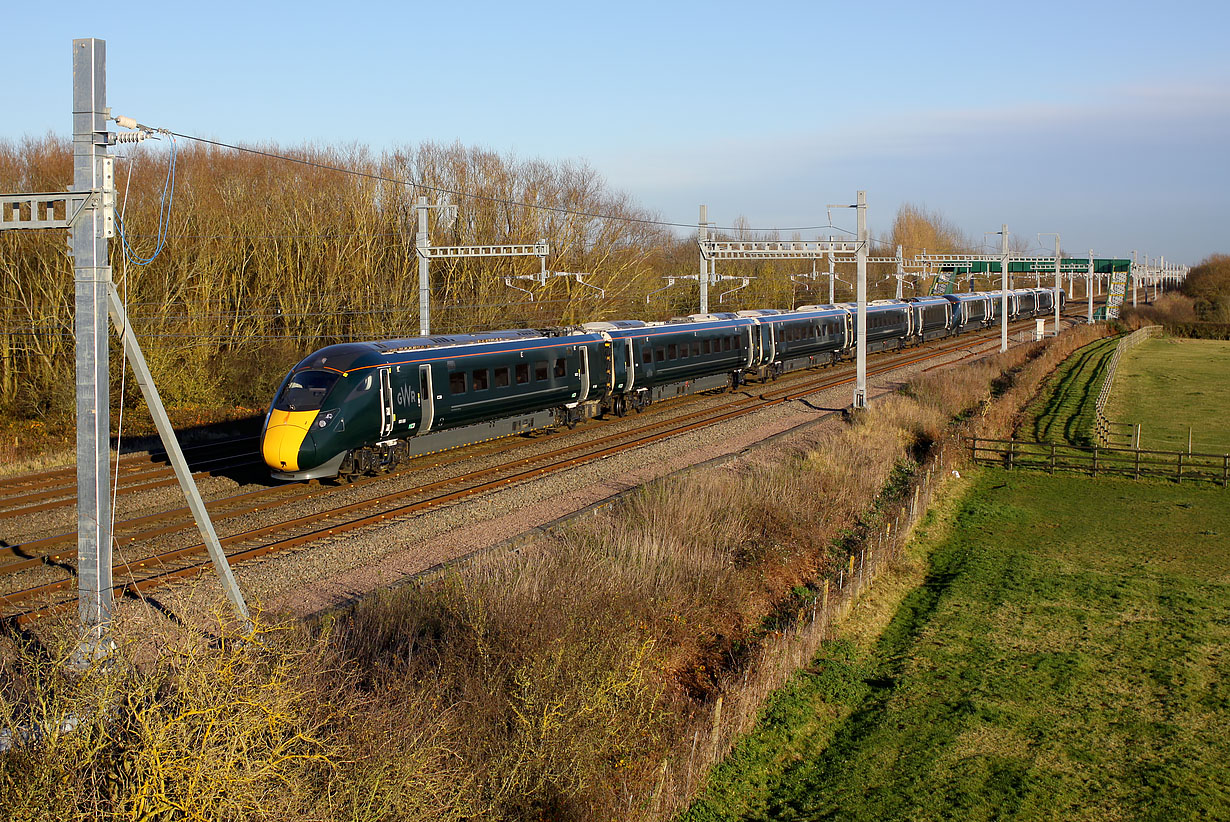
(362, 408)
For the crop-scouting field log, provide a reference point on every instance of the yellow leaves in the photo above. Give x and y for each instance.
(197, 734)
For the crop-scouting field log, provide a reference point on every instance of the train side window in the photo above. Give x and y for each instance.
(541, 370)
(659, 354)
(725, 343)
(523, 373)
(457, 382)
(708, 349)
(646, 354)
(672, 352)
(561, 367)
(696, 349)
(501, 377)
(481, 379)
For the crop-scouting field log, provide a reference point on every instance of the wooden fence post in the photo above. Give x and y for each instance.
(1052, 458)
(1137, 452)
(1180, 476)
(1095, 460)
(1011, 450)
(717, 727)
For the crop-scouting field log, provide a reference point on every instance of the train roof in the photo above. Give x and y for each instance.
(346, 356)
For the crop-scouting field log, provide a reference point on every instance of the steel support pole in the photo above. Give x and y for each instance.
(1135, 274)
(175, 455)
(421, 246)
(900, 272)
(1058, 285)
(703, 274)
(860, 384)
(1003, 297)
(91, 276)
(1089, 286)
(832, 280)
(1161, 274)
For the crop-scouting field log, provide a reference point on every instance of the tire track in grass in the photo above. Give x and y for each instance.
(1060, 661)
(1065, 415)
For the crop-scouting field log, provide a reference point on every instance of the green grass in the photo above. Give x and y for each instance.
(1060, 661)
(1169, 384)
(1063, 411)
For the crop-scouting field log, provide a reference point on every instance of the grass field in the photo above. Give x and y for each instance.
(1063, 412)
(1169, 384)
(1060, 660)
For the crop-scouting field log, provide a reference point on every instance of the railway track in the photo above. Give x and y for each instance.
(45, 491)
(149, 571)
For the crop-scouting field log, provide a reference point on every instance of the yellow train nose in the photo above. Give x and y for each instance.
(284, 437)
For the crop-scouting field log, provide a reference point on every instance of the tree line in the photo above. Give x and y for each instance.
(266, 260)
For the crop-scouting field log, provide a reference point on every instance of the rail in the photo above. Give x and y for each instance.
(1101, 459)
(1108, 432)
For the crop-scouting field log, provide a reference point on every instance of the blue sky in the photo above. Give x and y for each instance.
(1108, 122)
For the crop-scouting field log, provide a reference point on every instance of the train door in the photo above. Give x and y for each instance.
(752, 338)
(427, 398)
(387, 414)
(622, 373)
(583, 374)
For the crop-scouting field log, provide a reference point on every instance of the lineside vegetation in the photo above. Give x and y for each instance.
(596, 674)
(1200, 308)
(1049, 647)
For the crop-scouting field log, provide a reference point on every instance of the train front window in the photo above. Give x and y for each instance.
(305, 391)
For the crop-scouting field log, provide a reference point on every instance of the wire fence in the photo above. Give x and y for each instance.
(1107, 432)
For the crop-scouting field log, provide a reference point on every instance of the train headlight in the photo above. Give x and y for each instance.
(325, 417)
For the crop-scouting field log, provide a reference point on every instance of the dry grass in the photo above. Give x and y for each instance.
(596, 674)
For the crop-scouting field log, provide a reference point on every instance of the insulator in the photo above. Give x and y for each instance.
(131, 137)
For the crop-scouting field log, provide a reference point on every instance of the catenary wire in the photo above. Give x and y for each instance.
(485, 197)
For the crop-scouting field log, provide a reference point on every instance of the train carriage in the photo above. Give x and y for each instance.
(1026, 302)
(351, 394)
(682, 356)
(806, 337)
(932, 317)
(969, 311)
(889, 324)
